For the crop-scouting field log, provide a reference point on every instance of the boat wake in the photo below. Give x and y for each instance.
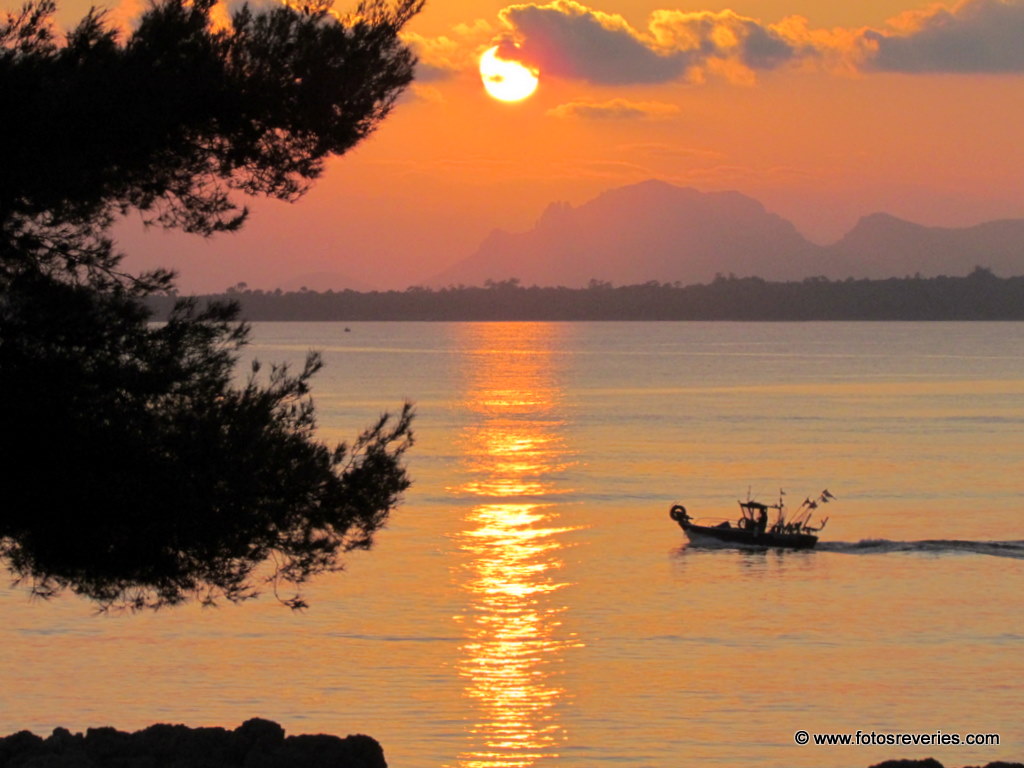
(1014, 549)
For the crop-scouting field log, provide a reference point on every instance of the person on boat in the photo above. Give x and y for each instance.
(762, 521)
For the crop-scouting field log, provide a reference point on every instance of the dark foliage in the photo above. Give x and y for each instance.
(172, 120)
(978, 296)
(136, 471)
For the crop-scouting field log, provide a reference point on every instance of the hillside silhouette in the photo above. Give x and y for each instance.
(657, 231)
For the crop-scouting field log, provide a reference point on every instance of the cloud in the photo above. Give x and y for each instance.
(443, 56)
(564, 38)
(427, 94)
(976, 36)
(666, 152)
(722, 35)
(567, 39)
(126, 15)
(615, 109)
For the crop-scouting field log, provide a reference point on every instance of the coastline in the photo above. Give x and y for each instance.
(256, 743)
(978, 296)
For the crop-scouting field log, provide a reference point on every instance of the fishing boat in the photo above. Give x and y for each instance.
(752, 529)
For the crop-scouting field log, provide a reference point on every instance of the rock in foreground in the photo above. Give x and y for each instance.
(254, 744)
(931, 762)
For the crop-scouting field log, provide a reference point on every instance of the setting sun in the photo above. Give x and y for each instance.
(505, 79)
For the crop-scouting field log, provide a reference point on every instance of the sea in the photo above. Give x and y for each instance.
(531, 603)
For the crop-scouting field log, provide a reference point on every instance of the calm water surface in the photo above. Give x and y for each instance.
(532, 604)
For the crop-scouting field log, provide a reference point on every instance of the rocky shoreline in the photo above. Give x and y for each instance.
(256, 743)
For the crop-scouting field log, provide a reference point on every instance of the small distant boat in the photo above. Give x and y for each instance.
(752, 528)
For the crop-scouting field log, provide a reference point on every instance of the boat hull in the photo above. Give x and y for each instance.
(738, 537)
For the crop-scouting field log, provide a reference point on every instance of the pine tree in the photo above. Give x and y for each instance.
(135, 471)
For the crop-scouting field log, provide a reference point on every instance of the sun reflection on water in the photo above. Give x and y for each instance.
(514, 459)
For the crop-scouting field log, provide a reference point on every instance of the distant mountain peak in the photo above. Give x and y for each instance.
(644, 231)
(554, 215)
(879, 221)
(654, 230)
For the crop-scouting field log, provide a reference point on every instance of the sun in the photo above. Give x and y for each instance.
(505, 79)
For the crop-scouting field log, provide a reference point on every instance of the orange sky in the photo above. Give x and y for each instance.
(856, 107)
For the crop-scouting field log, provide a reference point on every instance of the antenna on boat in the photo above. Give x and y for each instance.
(807, 508)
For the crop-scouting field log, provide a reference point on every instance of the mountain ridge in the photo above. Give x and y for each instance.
(654, 230)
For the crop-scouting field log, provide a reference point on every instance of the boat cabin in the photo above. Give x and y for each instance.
(755, 516)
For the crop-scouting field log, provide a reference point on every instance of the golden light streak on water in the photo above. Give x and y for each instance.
(513, 456)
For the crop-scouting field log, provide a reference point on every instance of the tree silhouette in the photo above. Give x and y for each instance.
(136, 471)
